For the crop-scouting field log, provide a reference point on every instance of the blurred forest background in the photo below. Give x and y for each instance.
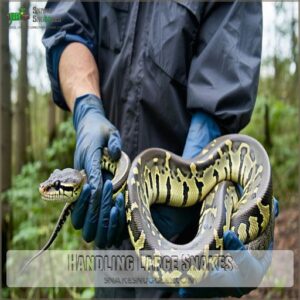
(37, 137)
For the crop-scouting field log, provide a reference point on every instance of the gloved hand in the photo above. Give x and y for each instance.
(111, 222)
(94, 211)
(203, 130)
(248, 267)
(172, 221)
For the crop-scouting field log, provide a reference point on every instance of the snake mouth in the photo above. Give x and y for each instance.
(51, 195)
(56, 198)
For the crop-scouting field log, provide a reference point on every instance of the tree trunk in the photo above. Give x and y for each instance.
(5, 119)
(22, 111)
(62, 115)
(295, 57)
(51, 120)
(5, 132)
(268, 140)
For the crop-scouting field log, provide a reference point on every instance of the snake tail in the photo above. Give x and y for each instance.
(59, 224)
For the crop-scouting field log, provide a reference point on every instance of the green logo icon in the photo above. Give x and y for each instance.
(18, 16)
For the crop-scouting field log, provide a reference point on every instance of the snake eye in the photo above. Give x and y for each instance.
(56, 185)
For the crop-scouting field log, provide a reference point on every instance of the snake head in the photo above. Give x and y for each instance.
(62, 186)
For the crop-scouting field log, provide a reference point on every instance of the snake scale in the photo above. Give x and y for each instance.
(159, 176)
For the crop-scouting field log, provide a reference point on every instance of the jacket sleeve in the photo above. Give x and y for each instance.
(68, 21)
(224, 72)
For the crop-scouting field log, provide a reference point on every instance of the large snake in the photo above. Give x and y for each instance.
(159, 176)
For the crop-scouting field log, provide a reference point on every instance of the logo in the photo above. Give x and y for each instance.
(43, 15)
(21, 15)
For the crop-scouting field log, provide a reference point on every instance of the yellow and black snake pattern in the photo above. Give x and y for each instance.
(159, 176)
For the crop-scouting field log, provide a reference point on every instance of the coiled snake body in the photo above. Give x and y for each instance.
(159, 176)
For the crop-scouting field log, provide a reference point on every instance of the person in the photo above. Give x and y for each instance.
(167, 74)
